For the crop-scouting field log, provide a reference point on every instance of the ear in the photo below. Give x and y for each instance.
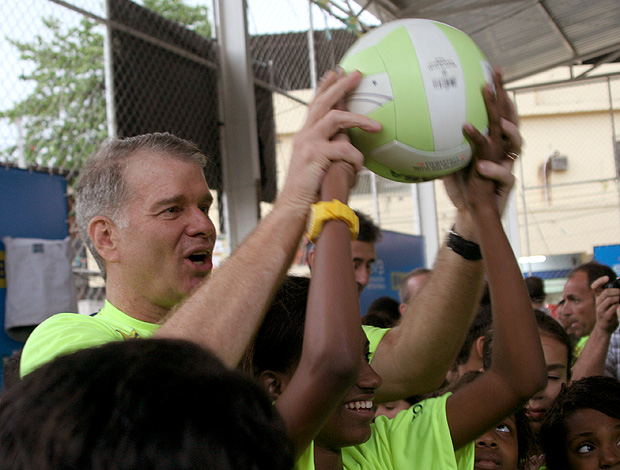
(479, 346)
(273, 382)
(402, 308)
(103, 233)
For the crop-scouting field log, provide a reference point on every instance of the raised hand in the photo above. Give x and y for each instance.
(607, 305)
(494, 154)
(321, 140)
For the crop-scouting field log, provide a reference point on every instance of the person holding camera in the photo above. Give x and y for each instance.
(577, 309)
(606, 309)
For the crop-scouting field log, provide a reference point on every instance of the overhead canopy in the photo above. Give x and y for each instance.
(523, 37)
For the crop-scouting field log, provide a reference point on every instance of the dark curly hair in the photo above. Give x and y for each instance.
(597, 393)
(140, 404)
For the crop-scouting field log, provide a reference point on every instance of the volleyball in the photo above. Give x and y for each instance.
(422, 80)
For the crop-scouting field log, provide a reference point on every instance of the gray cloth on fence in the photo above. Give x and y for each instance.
(39, 283)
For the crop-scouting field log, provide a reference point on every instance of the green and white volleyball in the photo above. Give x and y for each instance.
(422, 80)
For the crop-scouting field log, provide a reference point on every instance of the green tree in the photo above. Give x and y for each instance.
(64, 116)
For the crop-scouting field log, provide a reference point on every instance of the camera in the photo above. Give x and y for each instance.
(615, 284)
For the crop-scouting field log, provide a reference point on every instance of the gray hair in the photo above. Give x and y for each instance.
(102, 190)
(403, 291)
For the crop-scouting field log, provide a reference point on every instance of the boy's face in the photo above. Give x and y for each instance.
(556, 358)
(364, 255)
(592, 440)
(498, 448)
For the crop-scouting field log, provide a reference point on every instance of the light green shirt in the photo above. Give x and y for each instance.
(416, 439)
(374, 335)
(579, 346)
(65, 333)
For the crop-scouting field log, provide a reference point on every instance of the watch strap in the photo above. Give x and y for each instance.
(465, 248)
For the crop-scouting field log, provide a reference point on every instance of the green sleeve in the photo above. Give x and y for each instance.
(62, 334)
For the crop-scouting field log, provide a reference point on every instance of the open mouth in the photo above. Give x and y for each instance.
(363, 405)
(200, 258)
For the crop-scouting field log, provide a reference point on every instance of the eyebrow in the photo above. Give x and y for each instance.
(578, 436)
(551, 367)
(586, 434)
(179, 198)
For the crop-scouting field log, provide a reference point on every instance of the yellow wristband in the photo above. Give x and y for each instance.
(329, 210)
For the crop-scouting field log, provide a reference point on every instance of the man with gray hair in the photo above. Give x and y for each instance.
(143, 209)
(154, 239)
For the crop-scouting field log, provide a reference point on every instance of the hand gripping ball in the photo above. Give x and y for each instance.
(422, 80)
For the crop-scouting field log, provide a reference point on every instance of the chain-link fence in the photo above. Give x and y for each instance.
(67, 86)
(72, 79)
(568, 199)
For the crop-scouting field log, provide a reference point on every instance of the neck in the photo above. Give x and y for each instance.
(327, 459)
(133, 304)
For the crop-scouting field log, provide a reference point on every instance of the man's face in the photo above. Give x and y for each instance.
(364, 256)
(577, 313)
(165, 251)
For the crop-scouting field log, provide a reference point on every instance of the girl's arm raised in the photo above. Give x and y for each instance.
(518, 368)
(333, 338)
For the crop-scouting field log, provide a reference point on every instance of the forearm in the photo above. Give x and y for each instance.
(332, 342)
(332, 334)
(413, 357)
(225, 312)
(517, 368)
(514, 325)
(592, 359)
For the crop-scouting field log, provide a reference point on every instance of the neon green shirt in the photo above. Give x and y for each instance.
(374, 335)
(579, 346)
(417, 438)
(65, 333)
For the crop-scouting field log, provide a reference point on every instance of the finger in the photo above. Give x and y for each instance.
(606, 301)
(597, 286)
(342, 150)
(512, 135)
(490, 101)
(475, 136)
(506, 106)
(496, 172)
(335, 121)
(332, 94)
(326, 80)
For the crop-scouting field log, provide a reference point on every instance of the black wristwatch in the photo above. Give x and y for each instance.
(468, 250)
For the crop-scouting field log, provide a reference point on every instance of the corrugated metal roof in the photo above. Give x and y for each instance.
(523, 37)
